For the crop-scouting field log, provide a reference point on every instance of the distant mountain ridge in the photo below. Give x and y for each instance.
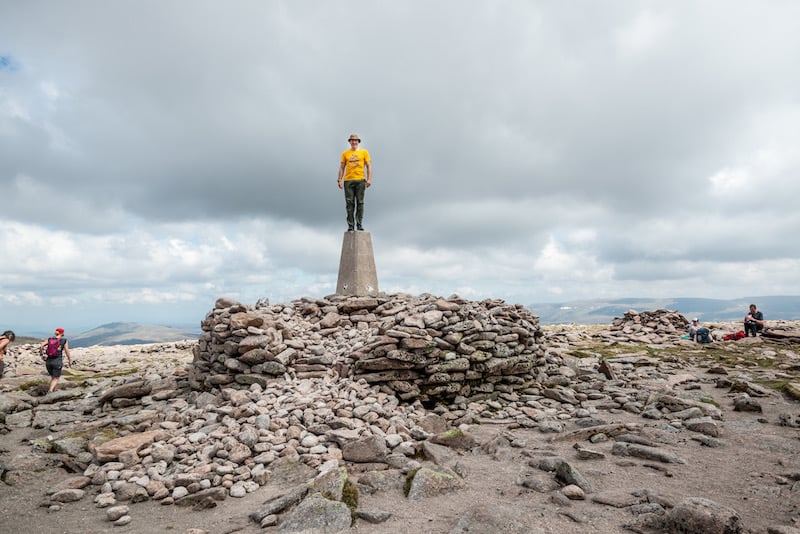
(599, 311)
(129, 334)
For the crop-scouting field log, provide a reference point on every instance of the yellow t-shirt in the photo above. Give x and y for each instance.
(354, 161)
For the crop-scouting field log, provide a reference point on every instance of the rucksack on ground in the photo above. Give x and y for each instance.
(53, 347)
(703, 335)
(735, 335)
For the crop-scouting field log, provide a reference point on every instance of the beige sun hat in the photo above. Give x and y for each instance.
(354, 137)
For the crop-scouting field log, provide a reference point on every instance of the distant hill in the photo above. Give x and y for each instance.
(129, 334)
(599, 311)
(27, 340)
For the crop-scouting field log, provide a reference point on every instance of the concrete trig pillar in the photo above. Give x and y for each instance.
(357, 274)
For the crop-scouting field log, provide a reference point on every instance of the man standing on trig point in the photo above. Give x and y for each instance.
(352, 179)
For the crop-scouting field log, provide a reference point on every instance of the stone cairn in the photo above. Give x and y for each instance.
(657, 326)
(422, 348)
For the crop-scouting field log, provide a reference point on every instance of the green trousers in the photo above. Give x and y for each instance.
(354, 201)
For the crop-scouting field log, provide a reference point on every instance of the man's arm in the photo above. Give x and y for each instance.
(368, 165)
(66, 351)
(341, 174)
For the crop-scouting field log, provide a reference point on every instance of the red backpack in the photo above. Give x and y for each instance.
(53, 347)
(733, 337)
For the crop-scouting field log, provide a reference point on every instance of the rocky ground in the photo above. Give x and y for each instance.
(631, 429)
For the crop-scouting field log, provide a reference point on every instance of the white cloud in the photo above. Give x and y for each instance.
(578, 265)
(146, 295)
(50, 91)
(645, 31)
(10, 108)
(22, 298)
(555, 291)
(728, 181)
(768, 159)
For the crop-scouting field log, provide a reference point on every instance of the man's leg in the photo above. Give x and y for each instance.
(360, 188)
(54, 369)
(350, 202)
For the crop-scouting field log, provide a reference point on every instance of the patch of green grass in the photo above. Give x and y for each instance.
(739, 387)
(78, 376)
(605, 351)
(727, 354)
(350, 497)
(583, 354)
(30, 384)
(43, 444)
(777, 385)
(409, 478)
(730, 354)
(103, 434)
(709, 400)
(452, 434)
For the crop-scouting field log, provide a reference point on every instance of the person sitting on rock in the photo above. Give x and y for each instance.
(698, 333)
(754, 321)
(693, 328)
(7, 337)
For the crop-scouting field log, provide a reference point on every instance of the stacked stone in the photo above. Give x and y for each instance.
(658, 326)
(423, 348)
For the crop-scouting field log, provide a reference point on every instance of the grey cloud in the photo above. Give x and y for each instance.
(227, 119)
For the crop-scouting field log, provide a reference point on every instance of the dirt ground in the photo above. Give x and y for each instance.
(754, 472)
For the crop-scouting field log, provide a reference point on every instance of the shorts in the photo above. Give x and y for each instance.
(54, 366)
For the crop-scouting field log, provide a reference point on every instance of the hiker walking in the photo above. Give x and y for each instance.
(352, 179)
(52, 351)
(7, 337)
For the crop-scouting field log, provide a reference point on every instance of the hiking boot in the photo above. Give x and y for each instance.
(350, 228)
(360, 228)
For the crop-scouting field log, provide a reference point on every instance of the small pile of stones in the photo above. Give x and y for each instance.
(657, 326)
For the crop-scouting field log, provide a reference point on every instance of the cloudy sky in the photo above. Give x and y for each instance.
(157, 155)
